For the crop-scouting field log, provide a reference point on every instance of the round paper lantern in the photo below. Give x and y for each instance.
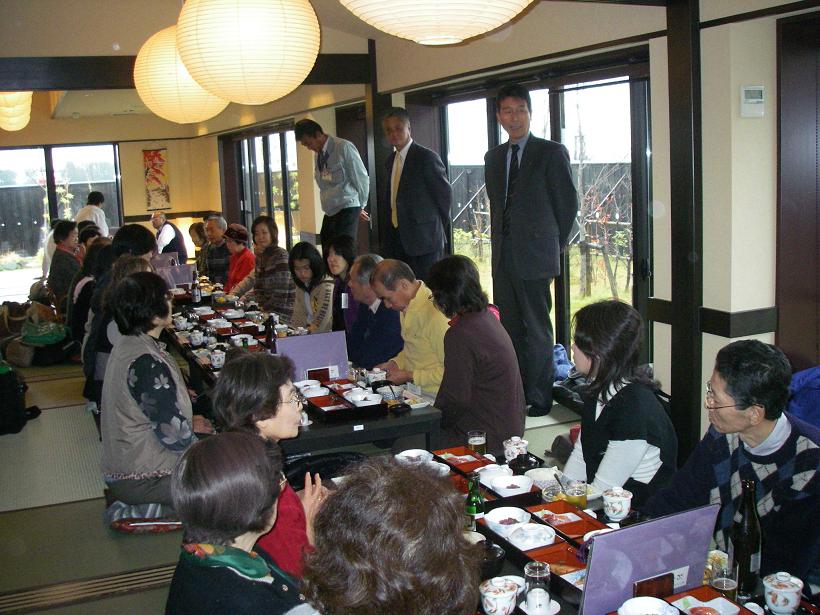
(15, 123)
(248, 51)
(12, 99)
(21, 109)
(435, 22)
(166, 88)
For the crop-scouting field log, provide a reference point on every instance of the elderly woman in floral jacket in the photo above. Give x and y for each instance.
(147, 423)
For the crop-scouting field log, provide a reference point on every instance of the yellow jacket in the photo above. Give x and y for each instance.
(423, 328)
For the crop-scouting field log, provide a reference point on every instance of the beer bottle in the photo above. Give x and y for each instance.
(474, 504)
(196, 293)
(745, 541)
(270, 334)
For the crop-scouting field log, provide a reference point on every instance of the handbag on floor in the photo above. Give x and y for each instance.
(19, 354)
(12, 317)
(13, 414)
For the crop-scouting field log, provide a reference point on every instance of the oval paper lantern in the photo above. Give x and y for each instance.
(435, 22)
(12, 99)
(15, 123)
(21, 109)
(166, 88)
(248, 51)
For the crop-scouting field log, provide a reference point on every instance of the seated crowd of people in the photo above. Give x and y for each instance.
(254, 544)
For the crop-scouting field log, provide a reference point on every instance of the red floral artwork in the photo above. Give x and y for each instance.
(157, 193)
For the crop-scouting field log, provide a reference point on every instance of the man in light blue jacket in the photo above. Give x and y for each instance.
(342, 179)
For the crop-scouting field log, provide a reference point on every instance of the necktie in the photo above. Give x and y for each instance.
(322, 159)
(512, 176)
(394, 190)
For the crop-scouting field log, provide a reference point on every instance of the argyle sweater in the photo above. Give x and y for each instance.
(787, 493)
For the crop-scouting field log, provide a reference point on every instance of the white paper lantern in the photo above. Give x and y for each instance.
(248, 51)
(12, 99)
(435, 22)
(21, 109)
(15, 123)
(166, 88)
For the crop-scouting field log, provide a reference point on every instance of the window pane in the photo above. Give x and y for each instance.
(470, 212)
(24, 220)
(293, 188)
(597, 134)
(80, 169)
(260, 201)
(275, 170)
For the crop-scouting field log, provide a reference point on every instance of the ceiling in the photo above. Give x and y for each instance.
(98, 103)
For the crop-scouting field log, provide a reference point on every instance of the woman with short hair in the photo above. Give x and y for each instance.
(242, 260)
(255, 394)
(313, 307)
(270, 284)
(147, 422)
(197, 234)
(627, 439)
(225, 490)
(390, 540)
(481, 387)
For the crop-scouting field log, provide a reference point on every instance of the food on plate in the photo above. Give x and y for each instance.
(513, 486)
(509, 521)
(561, 568)
(703, 610)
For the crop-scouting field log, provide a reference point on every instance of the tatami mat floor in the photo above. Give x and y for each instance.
(54, 459)
(46, 543)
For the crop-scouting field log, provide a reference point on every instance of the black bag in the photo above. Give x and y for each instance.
(13, 414)
(52, 354)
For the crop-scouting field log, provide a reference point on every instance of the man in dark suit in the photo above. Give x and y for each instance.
(533, 204)
(419, 196)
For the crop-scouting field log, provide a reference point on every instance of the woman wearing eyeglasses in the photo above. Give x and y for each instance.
(255, 394)
(627, 439)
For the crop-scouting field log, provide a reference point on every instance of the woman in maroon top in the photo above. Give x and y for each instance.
(481, 387)
(242, 259)
(255, 394)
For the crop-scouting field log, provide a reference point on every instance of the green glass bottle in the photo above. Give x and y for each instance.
(474, 504)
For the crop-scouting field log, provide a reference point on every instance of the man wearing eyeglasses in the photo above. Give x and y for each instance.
(752, 438)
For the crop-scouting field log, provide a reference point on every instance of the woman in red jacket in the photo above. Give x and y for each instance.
(255, 393)
(242, 259)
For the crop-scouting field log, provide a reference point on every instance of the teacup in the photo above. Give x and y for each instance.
(180, 322)
(217, 358)
(196, 338)
(281, 330)
(498, 596)
(782, 592)
(616, 503)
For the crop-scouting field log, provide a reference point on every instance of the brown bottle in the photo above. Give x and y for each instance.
(745, 539)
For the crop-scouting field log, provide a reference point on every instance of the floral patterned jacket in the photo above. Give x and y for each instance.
(146, 418)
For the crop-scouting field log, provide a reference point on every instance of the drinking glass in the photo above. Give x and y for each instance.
(724, 579)
(537, 579)
(576, 493)
(477, 442)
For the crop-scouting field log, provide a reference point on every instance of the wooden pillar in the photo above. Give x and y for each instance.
(377, 152)
(683, 44)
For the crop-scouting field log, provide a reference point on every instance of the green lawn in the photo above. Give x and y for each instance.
(600, 288)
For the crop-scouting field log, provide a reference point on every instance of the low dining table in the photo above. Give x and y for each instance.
(323, 435)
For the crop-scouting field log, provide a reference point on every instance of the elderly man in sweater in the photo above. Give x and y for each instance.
(750, 437)
(422, 326)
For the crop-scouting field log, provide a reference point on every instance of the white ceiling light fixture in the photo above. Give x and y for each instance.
(165, 86)
(435, 22)
(15, 110)
(17, 122)
(12, 99)
(248, 51)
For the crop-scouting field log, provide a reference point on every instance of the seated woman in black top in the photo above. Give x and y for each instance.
(225, 490)
(627, 439)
